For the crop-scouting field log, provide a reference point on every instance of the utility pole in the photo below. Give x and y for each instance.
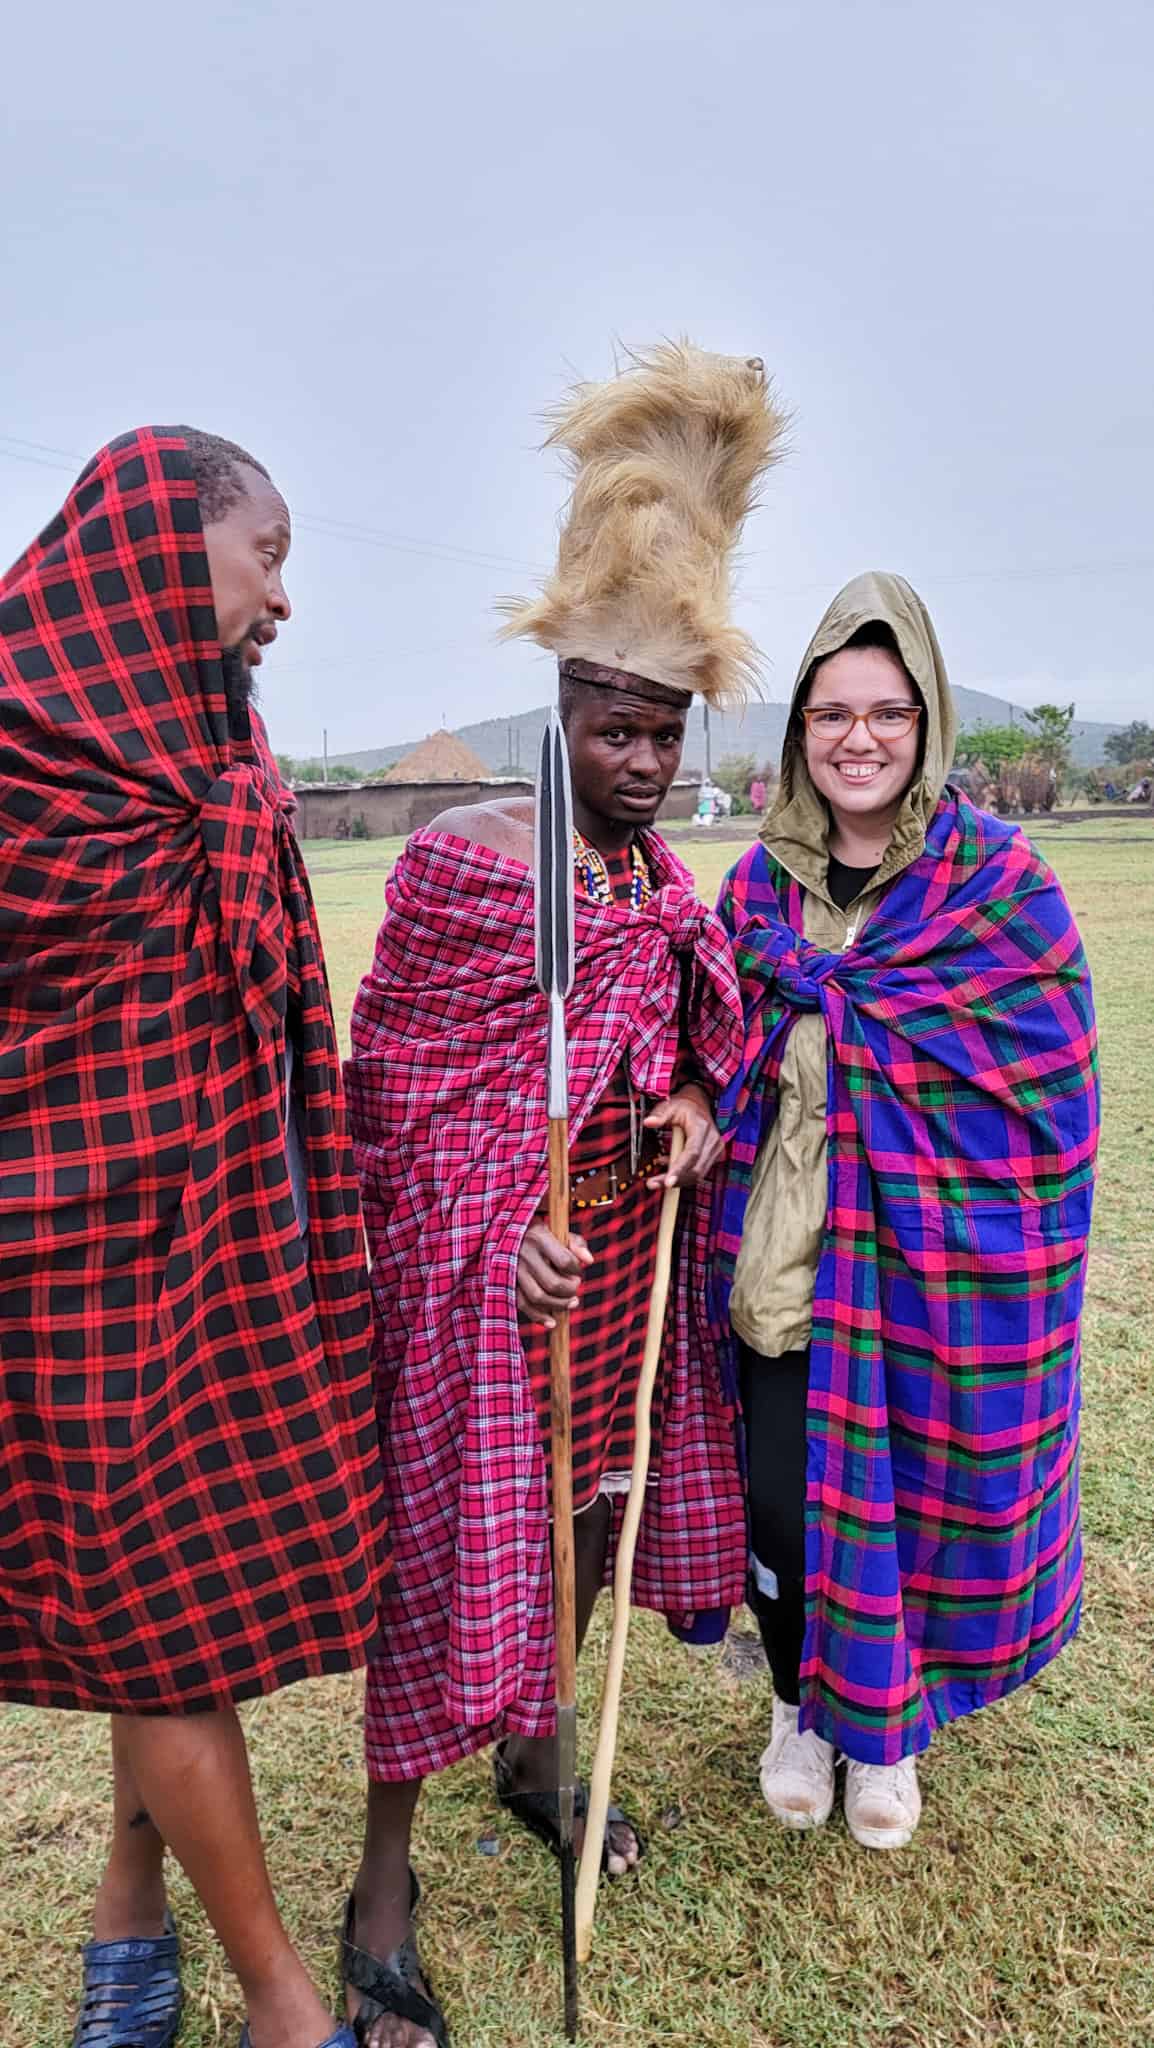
(708, 743)
(325, 749)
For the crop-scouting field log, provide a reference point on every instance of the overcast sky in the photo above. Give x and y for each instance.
(373, 242)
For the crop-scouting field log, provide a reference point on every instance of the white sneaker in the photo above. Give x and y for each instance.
(797, 1772)
(883, 1804)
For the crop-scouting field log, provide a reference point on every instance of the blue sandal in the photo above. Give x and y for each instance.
(343, 2038)
(132, 1994)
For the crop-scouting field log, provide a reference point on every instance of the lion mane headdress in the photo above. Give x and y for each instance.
(665, 458)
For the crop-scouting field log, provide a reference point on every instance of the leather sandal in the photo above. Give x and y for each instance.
(538, 1811)
(392, 1983)
(132, 1995)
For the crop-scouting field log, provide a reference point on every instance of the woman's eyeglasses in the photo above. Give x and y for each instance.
(883, 722)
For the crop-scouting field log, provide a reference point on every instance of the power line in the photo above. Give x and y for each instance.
(67, 459)
(43, 461)
(353, 529)
(1120, 566)
(47, 457)
(392, 655)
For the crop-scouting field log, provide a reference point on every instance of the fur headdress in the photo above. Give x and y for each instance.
(665, 459)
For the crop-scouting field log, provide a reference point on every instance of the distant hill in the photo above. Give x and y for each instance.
(509, 745)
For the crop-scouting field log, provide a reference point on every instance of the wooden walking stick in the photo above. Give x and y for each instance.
(590, 1871)
(554, 926)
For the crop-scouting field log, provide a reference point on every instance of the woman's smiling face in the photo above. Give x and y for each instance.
(863, 771)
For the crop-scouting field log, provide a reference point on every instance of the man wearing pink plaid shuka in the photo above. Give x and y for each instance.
(446, 1091)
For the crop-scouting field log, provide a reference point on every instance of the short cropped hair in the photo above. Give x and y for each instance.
(216, 465)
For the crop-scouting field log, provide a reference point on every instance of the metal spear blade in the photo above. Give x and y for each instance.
(554, 898)
(553, 863)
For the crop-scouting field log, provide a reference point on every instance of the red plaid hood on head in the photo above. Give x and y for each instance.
(115, 720)
(446, 1091)
(155, 927)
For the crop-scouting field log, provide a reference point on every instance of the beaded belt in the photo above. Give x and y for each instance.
(603, 1184)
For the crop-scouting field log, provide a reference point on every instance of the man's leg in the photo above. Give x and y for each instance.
(382, 1888)
(533, 1760)
(190, 1774)
(382, 1896)
(130, 1904)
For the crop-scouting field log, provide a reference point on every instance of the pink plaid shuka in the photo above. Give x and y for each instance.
(446, 1090)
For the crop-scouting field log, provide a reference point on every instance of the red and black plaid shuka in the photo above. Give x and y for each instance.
(189, 1482)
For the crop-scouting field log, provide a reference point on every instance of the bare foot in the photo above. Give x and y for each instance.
(288, 2014)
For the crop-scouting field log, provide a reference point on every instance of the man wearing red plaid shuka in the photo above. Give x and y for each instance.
(447, 1105)
(190, 1502)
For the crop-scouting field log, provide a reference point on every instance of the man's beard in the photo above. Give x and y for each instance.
(239, 689)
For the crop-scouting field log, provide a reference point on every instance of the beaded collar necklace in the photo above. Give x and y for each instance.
(594, 875)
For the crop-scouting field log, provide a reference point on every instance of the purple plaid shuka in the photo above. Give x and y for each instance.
(943, 1549)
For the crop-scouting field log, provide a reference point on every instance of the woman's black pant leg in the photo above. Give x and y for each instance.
(774, 1394)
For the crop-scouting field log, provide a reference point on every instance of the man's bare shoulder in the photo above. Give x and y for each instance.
(503, 824)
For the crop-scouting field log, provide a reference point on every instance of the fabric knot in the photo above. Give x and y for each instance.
(801, 990)
(775, 962)
(238, 829)
(679, 915)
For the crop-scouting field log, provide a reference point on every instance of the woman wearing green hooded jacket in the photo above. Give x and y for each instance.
(902, 1233)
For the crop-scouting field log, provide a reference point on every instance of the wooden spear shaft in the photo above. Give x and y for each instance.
(590, 1870)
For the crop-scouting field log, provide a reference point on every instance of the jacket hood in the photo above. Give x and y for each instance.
(796, 829)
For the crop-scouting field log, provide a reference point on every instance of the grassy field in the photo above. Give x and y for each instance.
(1021, 1917)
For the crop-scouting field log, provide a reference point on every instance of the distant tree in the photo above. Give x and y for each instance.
(1050, 740)
(314, 771)
(734, 773)
(1134, 743)
(995, 746)
(292, 770)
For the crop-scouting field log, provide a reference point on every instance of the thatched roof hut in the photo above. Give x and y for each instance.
(440, 758)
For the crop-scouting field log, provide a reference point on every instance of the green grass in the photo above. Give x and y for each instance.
(1021, 1916)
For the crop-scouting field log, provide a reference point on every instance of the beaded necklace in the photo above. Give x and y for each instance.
(594, 878)
(595, 875)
